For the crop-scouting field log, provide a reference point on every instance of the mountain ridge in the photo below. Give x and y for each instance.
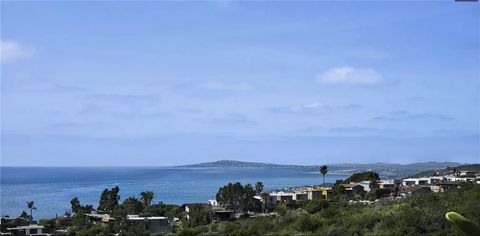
(235, 163)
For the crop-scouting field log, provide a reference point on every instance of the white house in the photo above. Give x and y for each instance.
(213, 202)
(26, 230)
(415, 181)
(365, 185)
(154, 224)
(390, 184)
(282, 196)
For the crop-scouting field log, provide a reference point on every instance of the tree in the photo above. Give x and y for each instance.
(373, 185)
(323, 171)
(24, 215)
(146, 198)
(120, 214)
(198, 216)
(109, 200)
(267, 205)
(103, 202)
(133, 205)
(363, 176)
(31, 207)
(316, 205)
(339, 190)
(113, 198)
(258, 188)
(236, 197)
(75, 203)
(67, 213)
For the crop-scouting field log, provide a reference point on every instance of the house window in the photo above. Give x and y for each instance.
(33, 231)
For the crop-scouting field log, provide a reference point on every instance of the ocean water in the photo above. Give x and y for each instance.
(52, 188)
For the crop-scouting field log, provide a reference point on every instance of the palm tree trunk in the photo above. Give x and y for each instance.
(324, 181)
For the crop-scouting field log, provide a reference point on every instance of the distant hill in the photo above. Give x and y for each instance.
(386, 170)
(444, 171)
(239, 164)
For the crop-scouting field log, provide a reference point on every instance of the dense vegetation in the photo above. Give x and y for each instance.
(363, 176)
(109, 203)
(423, 214)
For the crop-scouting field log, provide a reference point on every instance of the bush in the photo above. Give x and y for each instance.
(316, 206)
(308, 223)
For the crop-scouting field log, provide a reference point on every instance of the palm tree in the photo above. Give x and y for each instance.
(258, 188)
(31, 207)
(146, 198)
(323, 171)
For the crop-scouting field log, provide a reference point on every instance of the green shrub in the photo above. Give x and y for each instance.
(316, 206)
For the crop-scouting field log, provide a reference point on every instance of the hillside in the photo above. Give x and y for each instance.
(444, 171)
(386, 170)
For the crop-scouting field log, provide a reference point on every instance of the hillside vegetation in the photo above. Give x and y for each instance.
(421, 215)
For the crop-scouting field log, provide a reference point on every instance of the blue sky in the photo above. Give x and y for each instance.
(152, 83)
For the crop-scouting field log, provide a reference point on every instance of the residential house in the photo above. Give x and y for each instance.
(154, 224)
(390, 184)
(27, 230)
(354, 190)
(317, 192)
(282, 196)
(365, 185)
(271, 201)
(416, 181)
(100, 218)
(187, 207)
(447, 185)
(300, 195)
(467, 173)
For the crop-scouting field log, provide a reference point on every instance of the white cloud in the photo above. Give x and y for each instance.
(13, 51)
(314, 105)
(221, 86)
(350, 75)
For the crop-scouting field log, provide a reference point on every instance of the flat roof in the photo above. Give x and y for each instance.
(27, 227)
(147, 218)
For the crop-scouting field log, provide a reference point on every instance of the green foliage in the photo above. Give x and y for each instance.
(281, 209)
(77, 208)
(93, 230)
(237, 197)
(373, 185)
(419, 215)
(258, 188)
(307, 223)
(198, 215)
(193, 231)
(463, 224)
(316, 206)
(146, 198)
(161, 209)
(49, 223)
(339, 189)
(108, 200)
(31, 207)
(323, 171)
(133, 205)
(75, 203)
(135, 230)
(24, 215)
(364, 176)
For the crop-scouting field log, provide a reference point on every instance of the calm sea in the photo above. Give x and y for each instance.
(53, 188)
